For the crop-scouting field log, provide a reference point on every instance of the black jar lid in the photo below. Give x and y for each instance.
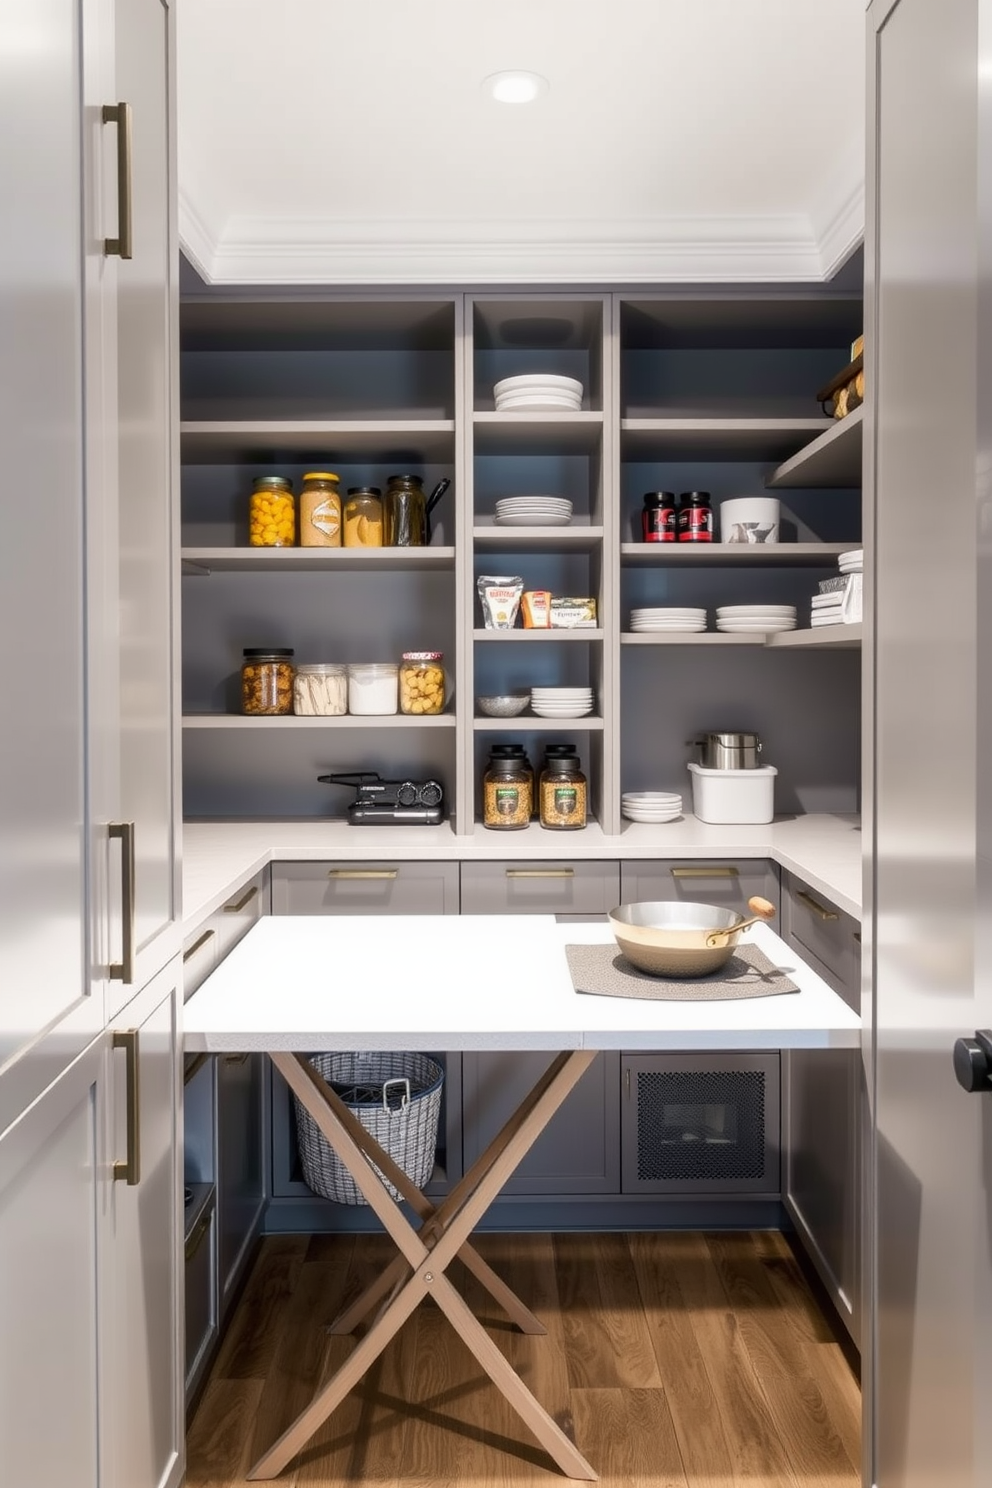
(564, 764)
(254, 652)
(507, 751)
(364, 491)
(560, 751)
(507, 764)
(417, 480)
(659, 498)
(695, 498)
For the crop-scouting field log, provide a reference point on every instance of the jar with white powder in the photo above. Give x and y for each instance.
(373, 687)
(320, 690)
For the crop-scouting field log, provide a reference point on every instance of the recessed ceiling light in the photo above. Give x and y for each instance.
(516, 87)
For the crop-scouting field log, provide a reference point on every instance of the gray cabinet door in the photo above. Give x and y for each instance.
(141, 1381)
(699, 881)
(240, 1163)
(579, 1150)
(43, 982)
(147, 536)
(51, 1230)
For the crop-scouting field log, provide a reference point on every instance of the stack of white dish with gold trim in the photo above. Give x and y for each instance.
(650, 806)
(763, 619)
(538, 392)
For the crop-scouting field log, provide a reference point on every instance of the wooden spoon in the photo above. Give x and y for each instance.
(761, 909)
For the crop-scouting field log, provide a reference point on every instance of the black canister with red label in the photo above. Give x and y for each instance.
(660, 518)
(695, 517)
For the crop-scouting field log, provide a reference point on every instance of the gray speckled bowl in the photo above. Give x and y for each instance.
(507, 705)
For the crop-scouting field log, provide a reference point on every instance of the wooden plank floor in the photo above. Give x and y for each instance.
(674, 1360)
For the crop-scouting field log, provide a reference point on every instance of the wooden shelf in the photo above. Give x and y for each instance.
(832, 460)
(575, 634)
(205, 561)
(290, 721)
(714, 438)
(537, 539)
(825, 637)
(733, 555)
(231, 441)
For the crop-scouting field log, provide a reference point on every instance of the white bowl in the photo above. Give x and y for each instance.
(651, 798)
(540, 380)
(750, 519)
(741, 612)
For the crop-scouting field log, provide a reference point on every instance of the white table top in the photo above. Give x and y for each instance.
(460, 982)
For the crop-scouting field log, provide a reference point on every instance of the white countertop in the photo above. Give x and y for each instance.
(457, 982)
(825, 851)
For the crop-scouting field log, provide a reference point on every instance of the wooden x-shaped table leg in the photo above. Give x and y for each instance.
(428, 1253)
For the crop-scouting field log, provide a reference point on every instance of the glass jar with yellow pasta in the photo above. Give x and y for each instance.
(272, 513)
(363, 517)
(422, 682)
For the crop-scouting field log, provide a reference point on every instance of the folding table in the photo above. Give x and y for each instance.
(303, 985)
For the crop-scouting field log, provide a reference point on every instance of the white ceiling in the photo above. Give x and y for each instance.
(349, 141)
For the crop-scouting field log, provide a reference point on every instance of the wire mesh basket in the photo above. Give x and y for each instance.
(396, 1097)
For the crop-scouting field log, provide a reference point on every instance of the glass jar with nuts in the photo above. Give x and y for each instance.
(267, 680)
(422, 682)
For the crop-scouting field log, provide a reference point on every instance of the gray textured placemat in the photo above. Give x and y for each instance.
(604, 971)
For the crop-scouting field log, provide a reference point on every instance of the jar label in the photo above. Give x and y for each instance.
(565, 800)
(507, 800)
(326, 518)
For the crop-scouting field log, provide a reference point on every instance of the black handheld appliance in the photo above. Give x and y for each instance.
(381, 802)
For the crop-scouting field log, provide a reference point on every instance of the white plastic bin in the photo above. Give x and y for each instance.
(733, 797)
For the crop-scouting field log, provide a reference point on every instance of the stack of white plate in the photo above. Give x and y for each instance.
(653, 620)
(650, 806)
(538, 392)
(533, 511)
(561, 702)
(852, 561)
(745, 619)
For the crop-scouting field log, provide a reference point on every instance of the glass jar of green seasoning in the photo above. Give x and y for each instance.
(507, 792)
(562, 790)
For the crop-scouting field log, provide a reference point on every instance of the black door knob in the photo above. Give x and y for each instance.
(973, 1061)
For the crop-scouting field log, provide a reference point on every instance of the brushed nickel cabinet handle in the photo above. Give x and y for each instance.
(820, 910)
(363, 873)
(196, 1238)
(540, 872)
(123, 970)
(716, 870)
(246, 898)
(120, 114)
(198, 945)
(130, 1168)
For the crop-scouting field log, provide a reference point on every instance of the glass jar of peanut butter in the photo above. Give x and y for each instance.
(320, 510)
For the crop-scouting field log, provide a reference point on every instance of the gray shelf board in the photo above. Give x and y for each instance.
(227, 441)
(740, 321)
(714, 438)
(566, 433)
(537, 538)
(290, 721)
(732, 555)
(824, 637)
(683, 638)
(205, 561)
(575, 634)
(300, 322)
(832, 461)
(533, 724)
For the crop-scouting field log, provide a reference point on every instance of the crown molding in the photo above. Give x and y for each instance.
(312, 251)
(844, 230)
(196, 239)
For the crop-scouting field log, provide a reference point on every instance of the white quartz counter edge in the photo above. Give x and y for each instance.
(462, 982)
(218, 857)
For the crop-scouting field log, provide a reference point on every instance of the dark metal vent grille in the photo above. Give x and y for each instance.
(694, 1126)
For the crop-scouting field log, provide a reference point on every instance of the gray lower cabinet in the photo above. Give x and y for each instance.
(201, 1303)
(700, 1123)
(551, 887)
(704, 881)
(365, 888)
(579, 1150)
(821, 1109)
(241, 1187)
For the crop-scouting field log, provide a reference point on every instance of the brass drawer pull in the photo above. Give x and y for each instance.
(716, 870)
(120, 114)
(540, 872)
(363, 873)
(196, 1238)
(198, 945)
(819, 910)
(123, 970)
(130, 1168)
(246, 898)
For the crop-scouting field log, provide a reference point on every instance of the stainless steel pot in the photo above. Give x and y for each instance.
(728, 751)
